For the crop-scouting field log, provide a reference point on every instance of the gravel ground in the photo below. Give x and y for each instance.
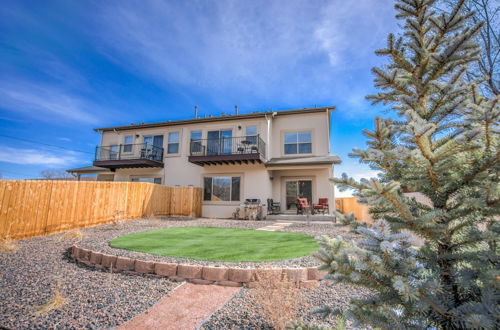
(97, 239)
(241, 312)
(30, 275)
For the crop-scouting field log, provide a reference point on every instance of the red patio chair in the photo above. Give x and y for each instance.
(303, 206)
(322, 206)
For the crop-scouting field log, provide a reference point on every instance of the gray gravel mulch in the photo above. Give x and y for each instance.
(241, 312)
(100, 237)
(30, 275)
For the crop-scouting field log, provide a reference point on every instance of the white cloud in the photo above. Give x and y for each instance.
(36, 157)
(44, 102)
(351, 30)
(262, 50)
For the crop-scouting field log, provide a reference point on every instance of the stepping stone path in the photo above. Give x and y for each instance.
(187, 307)
(276, 226)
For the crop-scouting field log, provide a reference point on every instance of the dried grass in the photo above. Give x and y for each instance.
(55, 302)
(7, 244)
(279, 300)
(73, 234)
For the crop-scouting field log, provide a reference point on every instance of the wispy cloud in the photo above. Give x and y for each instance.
(36, 157)
(350, 30)
(47, 103)
(261, 49)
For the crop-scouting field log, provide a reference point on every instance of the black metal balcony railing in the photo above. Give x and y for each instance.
(129, 152)
(240, 145)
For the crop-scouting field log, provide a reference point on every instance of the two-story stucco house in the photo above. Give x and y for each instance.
(280, 155)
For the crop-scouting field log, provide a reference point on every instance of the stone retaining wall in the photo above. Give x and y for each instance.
(225, 276)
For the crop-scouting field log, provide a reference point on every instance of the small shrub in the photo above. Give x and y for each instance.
(278, 299)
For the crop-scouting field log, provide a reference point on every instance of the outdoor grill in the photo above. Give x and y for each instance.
(250, 209)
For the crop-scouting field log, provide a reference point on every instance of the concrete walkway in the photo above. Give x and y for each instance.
(185, 308)
(276, 226)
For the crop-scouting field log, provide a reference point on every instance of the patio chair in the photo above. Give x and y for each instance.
(303, 206)
(273, 207)
(322, 206)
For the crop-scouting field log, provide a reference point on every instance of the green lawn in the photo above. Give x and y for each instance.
(221, 244)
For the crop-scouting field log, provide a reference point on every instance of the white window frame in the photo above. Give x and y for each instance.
(252, 135)
(125, 144)
(297, 143)
(178, 143)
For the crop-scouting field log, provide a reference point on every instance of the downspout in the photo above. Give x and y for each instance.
(268, 121)
(328, 129)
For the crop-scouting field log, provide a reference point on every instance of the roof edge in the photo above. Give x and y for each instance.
(213, 119)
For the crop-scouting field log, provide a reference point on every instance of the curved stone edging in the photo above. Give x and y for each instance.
(225, 276)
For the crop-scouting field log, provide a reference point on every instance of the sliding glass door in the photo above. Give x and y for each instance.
(219, 142)
(297, 189)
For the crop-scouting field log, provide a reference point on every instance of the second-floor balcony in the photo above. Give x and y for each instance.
(227, 150)
(128, 156)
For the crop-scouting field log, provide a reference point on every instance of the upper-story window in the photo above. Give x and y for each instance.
(195, 144)
(173, 143)
(127, 143)
(298, 143)
(251, 134)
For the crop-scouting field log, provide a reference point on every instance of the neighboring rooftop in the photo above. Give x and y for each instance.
(256, 114)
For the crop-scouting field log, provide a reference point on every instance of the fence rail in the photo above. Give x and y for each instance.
(35, 207)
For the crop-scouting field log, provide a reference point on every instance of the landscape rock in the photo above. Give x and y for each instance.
(126, 264)
(229, 283)
(144, 267)
(165, 268)
(240, 275)
(215, 273)
(95, 258)
(189, 271)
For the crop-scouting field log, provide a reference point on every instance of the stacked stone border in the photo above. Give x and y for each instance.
(236, 277)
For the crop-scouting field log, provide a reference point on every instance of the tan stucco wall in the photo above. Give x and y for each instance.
(256, 182)
(317, 123)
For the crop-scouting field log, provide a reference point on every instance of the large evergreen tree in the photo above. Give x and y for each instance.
(443, 144)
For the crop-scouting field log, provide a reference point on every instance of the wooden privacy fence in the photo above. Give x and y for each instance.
(33, 208)
(347, 205)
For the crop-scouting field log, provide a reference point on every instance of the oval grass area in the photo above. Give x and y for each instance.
(219, 244)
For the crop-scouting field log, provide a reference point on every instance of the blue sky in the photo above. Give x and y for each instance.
(69, 66)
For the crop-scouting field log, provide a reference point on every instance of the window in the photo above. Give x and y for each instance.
(195, 141)
(298, 143)
(219, 142)
(173, 143)
(127, 146)
(221, 188)
(150, 180)
(251, 134)
(113, 152)
(153, 147)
